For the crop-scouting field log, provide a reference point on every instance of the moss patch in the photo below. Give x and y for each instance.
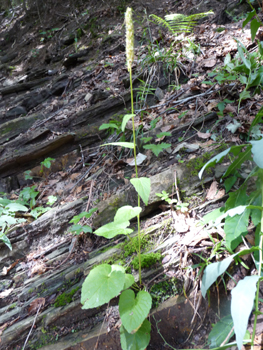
(147, 260)
(65, 298)
(164, 290)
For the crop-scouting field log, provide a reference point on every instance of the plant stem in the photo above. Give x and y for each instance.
(136, 171)
(259, 268)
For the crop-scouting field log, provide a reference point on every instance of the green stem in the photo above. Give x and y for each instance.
(136, 171)
(259, 269)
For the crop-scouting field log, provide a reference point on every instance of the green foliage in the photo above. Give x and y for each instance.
(142, 186)
(246, 68)
(103, 283)
(147, 260)
(65, 298)
(134, 309)
(46, 163)
(165, 197)
(220, 331)
(138, 340)
(178, 23)
(77, 229)
(157, 148)
(243, 206)
(28, 194)
(8, 209)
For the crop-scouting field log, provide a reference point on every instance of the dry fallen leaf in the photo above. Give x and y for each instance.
(204, 135)
(35, 305)
(213, 192)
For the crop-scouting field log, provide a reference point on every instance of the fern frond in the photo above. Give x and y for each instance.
(162, 22)
(181, 23)
(178, 23)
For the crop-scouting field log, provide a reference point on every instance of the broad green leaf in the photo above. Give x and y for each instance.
(242, 56)
(39, 211)
(84, 214)
(236, 150)
(5, 201)
(244, 95)
(213, 161)
(243, 79)
(108, 126)
(157, 149)
(7, 219)
(242, 302)
(256, 150)
(6, 241)
(237, 198)
(143, 187)
(129, 280)
(113, 229)
(125, 120)
(249, 16)
(126, 213)
(16, 207)
(52, 199)
(235, 227)
(120, 144)
(103, 283)
(213, 271)
(256, 213)
(211, 217)
(258, 119)
(138, 340)
(229, 183)
(134, 310)
(220, 331)
(254, 25)
(164, 133)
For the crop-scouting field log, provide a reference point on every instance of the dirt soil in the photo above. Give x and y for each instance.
(63, 74)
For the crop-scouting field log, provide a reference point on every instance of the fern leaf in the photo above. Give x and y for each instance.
(162, 22)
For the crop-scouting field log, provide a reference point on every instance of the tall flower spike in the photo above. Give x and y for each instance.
(129, 38)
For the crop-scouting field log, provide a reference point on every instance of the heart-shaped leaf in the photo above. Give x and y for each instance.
(134, 310)
(138, 340)
(126, 213)
(113, 229)
(103, 283)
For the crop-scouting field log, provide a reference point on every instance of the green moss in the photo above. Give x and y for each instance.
(147, 260)
(132, 245)
(164, 290)
(12, 306)
(65, 298)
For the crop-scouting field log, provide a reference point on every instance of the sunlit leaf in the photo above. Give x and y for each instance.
(134, 310)
(103, 283)
(138, 340)
(242, 302)
(125, 120)
(143, 187)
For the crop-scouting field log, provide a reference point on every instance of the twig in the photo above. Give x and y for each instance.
(82, 156)
(227, 337)
(176, 188)
(31, 327)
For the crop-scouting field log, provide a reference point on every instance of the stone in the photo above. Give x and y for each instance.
(159, 95)
(16, 112)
